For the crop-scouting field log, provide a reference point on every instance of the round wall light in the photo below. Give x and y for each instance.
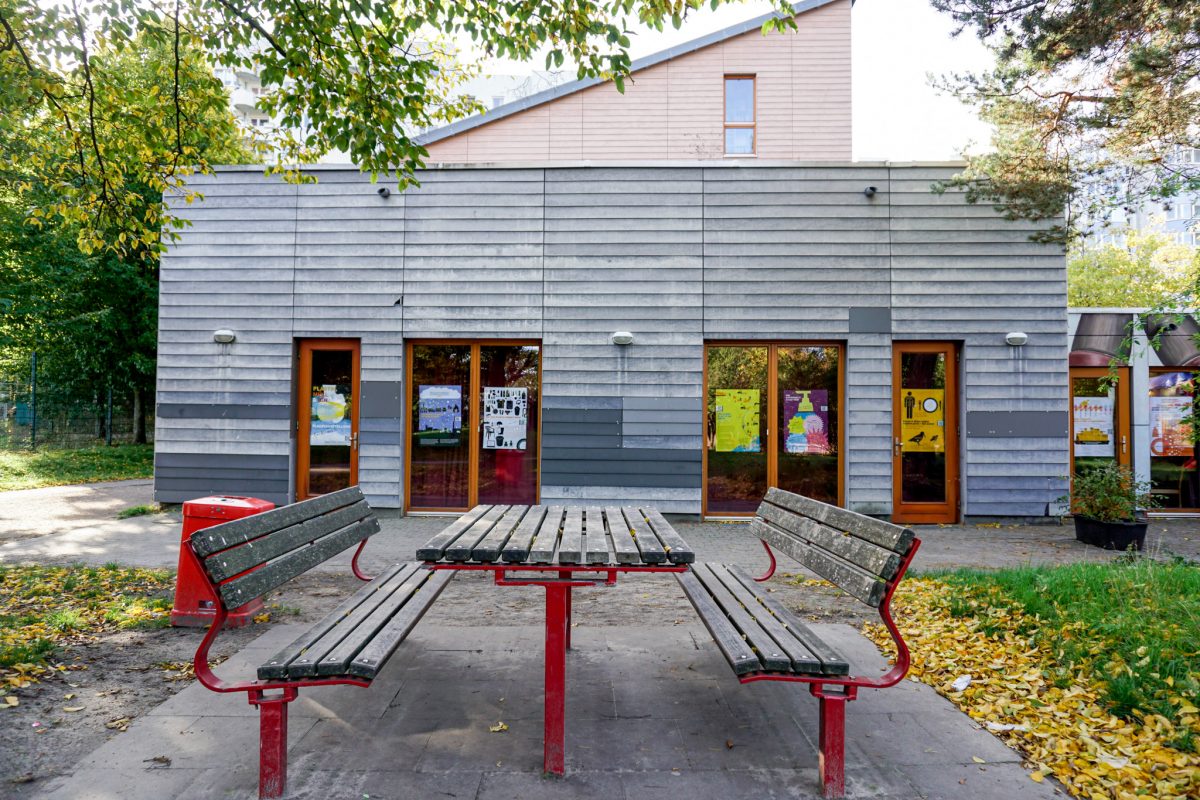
(1016, 338)
(224, 336)
(621, 338)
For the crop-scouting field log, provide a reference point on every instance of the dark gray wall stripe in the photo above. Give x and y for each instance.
(621, 467)
(380, 437)
(1017, 424)
(580, 429)
(219, 484)
(624, 479)
(571, 401)
(871, 320)
(214, 461)
(606, 415)
(182, 496)
(222, 411)
(560, 440)
(380, 399)
(621, 454)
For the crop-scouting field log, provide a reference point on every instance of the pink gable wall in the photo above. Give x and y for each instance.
(675, 110)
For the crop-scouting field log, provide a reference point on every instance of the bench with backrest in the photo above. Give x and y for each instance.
(864, 557)
(246, 558)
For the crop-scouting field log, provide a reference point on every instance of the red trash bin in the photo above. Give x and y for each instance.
(195, 605)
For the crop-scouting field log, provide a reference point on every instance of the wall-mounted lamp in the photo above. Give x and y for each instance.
(870, 191)
(1016, 338)
(621, 338)
(384, 192)
(224, 336)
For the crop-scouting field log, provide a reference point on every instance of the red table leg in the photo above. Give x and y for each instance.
(558, 605)
(567, 576)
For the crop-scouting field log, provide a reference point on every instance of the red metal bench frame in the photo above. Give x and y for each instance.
(272, 708)
(831, 763)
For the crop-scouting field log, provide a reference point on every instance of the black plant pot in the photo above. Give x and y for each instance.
(1111, 535)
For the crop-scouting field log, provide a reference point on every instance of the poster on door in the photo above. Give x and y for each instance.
(1093, 426)
(806, 415)
(505, 417)
(923, 420)
(737, 421)
(439, 416)
(1169, 434)
(329, 422)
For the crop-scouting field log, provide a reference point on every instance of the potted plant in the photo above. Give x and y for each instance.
(1108, 504)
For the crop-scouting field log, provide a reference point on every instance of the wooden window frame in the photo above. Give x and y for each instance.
(752, 125)
(1150, 456)
(475, 387)
(772, 445)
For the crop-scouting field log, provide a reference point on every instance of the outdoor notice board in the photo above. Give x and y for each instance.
(923, 421)
(505, 417)
(737, 421)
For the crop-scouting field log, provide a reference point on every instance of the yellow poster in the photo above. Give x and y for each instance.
(737, 421)
(923, 420)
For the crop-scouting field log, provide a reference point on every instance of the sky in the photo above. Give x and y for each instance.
(898, 116)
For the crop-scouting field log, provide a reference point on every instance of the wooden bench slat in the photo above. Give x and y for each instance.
(460, 549)
(624, 546)
(240, 591)
(570, 550)
(648, 545)
(879, 560)
(542, 549)
(303, 661)
(359, 630)
(729, 641)
(489, 547)
(226, 563)
(849, 578)
(435, 547)
(876, 531)
(595, 537)
(769, 652)
(516, 549)
(239, 531)
(676, 548)
(831, 661)
(276, 668)
(802, 659)
(372, 657)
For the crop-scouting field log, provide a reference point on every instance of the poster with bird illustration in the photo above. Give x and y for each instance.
(923, 420)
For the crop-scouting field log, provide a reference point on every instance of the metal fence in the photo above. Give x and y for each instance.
(43, 416)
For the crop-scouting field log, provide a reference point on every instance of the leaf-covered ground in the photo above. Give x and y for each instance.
(26, 470)
(44, 609)
(1090, 670)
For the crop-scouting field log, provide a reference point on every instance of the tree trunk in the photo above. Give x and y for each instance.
(139, 416)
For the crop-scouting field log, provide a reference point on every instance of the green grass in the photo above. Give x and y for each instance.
(25, 470)
(1133, 626)
(139, 511)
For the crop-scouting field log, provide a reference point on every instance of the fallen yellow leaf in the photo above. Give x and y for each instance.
(499, 727)
(73, 708)
(1037, 777)
(978, 760)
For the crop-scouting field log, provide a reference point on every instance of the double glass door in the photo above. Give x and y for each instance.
(473, 413)
(772, 418)
(924, 432)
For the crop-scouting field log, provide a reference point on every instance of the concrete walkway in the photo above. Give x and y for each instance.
(29, 513)
(653, 712)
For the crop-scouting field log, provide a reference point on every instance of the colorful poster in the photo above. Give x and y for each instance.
(505, 417)
(737, 421)
(329, 422)
(1169, 434)
(806, 413)
(1093, 425)
(923, 421)
(439, 416)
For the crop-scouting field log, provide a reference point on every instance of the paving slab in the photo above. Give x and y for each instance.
(672, 726)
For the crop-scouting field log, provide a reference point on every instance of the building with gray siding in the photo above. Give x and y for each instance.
(756, 262)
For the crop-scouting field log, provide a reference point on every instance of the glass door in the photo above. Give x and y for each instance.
(1099, 418)
(925, 433)
(747, 386)
(473, 411)
(327, 417)
(1174, 447)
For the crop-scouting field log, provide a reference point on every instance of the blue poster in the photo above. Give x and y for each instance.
(329, 423)
(439, 416)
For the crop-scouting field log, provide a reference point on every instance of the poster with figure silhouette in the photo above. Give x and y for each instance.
(806, 415)
(439, 416)
(505, 415)
(923, 420)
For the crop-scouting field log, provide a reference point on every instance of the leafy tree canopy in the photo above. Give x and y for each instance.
(1092, 100)
(1147, 271)
(356, 75)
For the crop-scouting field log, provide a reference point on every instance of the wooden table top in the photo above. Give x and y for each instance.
(559, 535)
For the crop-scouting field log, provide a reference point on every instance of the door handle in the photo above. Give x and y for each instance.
(1124, 448)
(354, 440)
(898, 445)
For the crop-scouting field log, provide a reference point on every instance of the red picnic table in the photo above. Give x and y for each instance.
(559, 548)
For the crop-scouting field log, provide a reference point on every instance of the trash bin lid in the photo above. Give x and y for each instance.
(225, 507)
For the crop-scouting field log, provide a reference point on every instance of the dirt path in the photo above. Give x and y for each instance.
(124, 675)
